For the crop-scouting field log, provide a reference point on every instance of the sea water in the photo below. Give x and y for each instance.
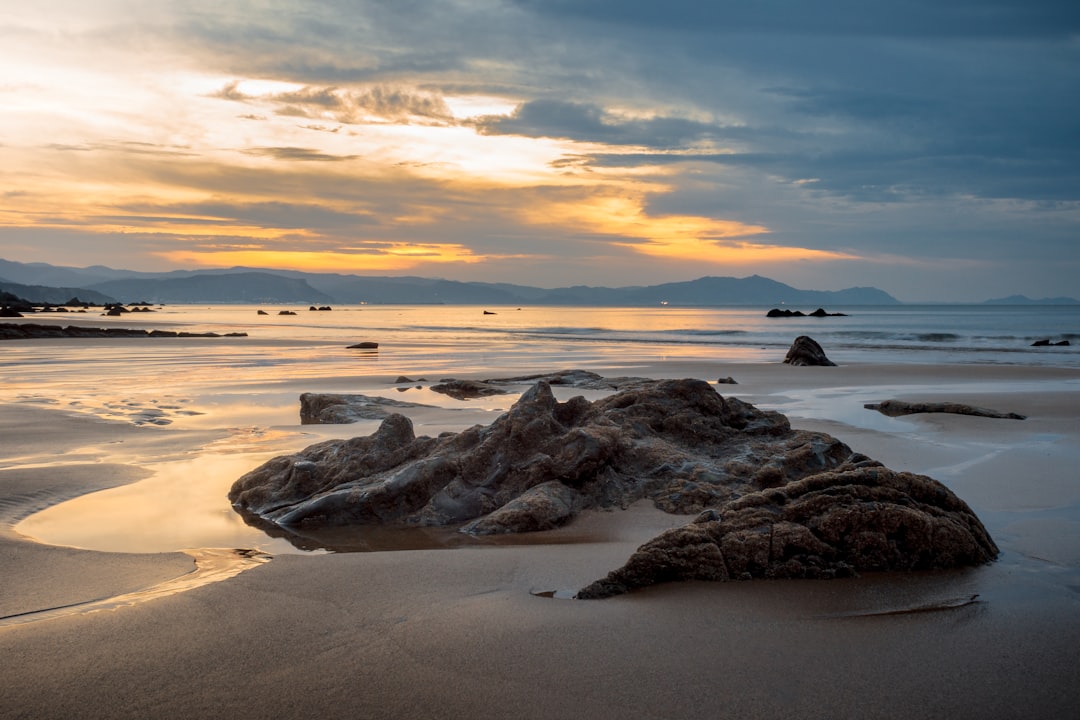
(236, 386)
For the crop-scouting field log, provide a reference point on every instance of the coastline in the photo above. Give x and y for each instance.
(452, 633)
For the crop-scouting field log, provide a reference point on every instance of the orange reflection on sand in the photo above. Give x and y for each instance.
(183, 505)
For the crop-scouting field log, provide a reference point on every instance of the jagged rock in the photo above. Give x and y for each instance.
(859, 517)
(773, 502)
(543, 507)
(467, 389)
(786, 312)
(896, 408)
(806, 351)
(333, 409)
(675, 441)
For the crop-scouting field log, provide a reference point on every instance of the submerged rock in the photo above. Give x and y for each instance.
(467, 389)
(896, 408)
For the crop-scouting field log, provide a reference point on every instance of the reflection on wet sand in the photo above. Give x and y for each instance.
(211, 566)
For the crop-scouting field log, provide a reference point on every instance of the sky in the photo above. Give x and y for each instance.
(930, 148)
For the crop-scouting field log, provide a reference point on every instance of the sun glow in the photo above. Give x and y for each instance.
(387, 257)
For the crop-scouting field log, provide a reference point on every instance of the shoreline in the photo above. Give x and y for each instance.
(454, 632)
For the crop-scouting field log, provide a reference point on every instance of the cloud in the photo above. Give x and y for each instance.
(297, 153)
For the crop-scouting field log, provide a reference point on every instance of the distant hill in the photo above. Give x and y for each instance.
(1024, 300)
(53, 295)
(242, 287)
(254, 285)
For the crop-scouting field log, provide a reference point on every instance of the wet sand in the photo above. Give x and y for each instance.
(448, 633)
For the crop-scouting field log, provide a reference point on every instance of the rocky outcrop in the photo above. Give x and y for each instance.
(675, 441)
(332, 409)
(24, 331)
(772, 501)
(896, 408)
(787, 313)
(806, 351)
(859, 517)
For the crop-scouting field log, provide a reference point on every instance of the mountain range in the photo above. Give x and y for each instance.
(42, 282)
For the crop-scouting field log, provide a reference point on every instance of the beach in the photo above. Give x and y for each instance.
(467, 631)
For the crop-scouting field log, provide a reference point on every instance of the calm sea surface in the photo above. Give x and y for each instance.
(467, 337)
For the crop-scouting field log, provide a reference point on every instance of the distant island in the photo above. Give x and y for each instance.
(45, 283)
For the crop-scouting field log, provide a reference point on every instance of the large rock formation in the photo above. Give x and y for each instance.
(675, 441)
(774, 502)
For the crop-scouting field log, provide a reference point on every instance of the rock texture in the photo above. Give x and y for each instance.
(859, 517)
(675, 441)
(772, 501)
(333, 409)
(896, 408)
(806, 351)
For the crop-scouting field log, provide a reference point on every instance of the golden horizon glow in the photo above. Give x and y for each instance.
(394, 256)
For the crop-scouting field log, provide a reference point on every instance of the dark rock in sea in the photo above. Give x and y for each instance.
(777, 502)
(262, 312)
(332, 409)
(1047, 343)
(10, 312)
(467, 389)
(805, 351)
(10, 331)
(726, 381)
(402, 380)
(286, 312)
(856, 518)
(115, 310)
(896, 408)
(488, 312)
(367, 345)
(1062, 343)
(819, 313)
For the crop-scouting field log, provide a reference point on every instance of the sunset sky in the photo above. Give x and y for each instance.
(930, 148)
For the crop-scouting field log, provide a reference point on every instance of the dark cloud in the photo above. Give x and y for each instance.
(949, 18)
(296, 153)
(591, 123)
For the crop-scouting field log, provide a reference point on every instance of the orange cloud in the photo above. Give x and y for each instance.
(392, 256)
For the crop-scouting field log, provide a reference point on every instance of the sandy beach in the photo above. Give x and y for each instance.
(461, 632)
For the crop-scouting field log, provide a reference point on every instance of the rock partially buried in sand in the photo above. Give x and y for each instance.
(859, 517)
(777, 502)
(805, 351)
(896, 408)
